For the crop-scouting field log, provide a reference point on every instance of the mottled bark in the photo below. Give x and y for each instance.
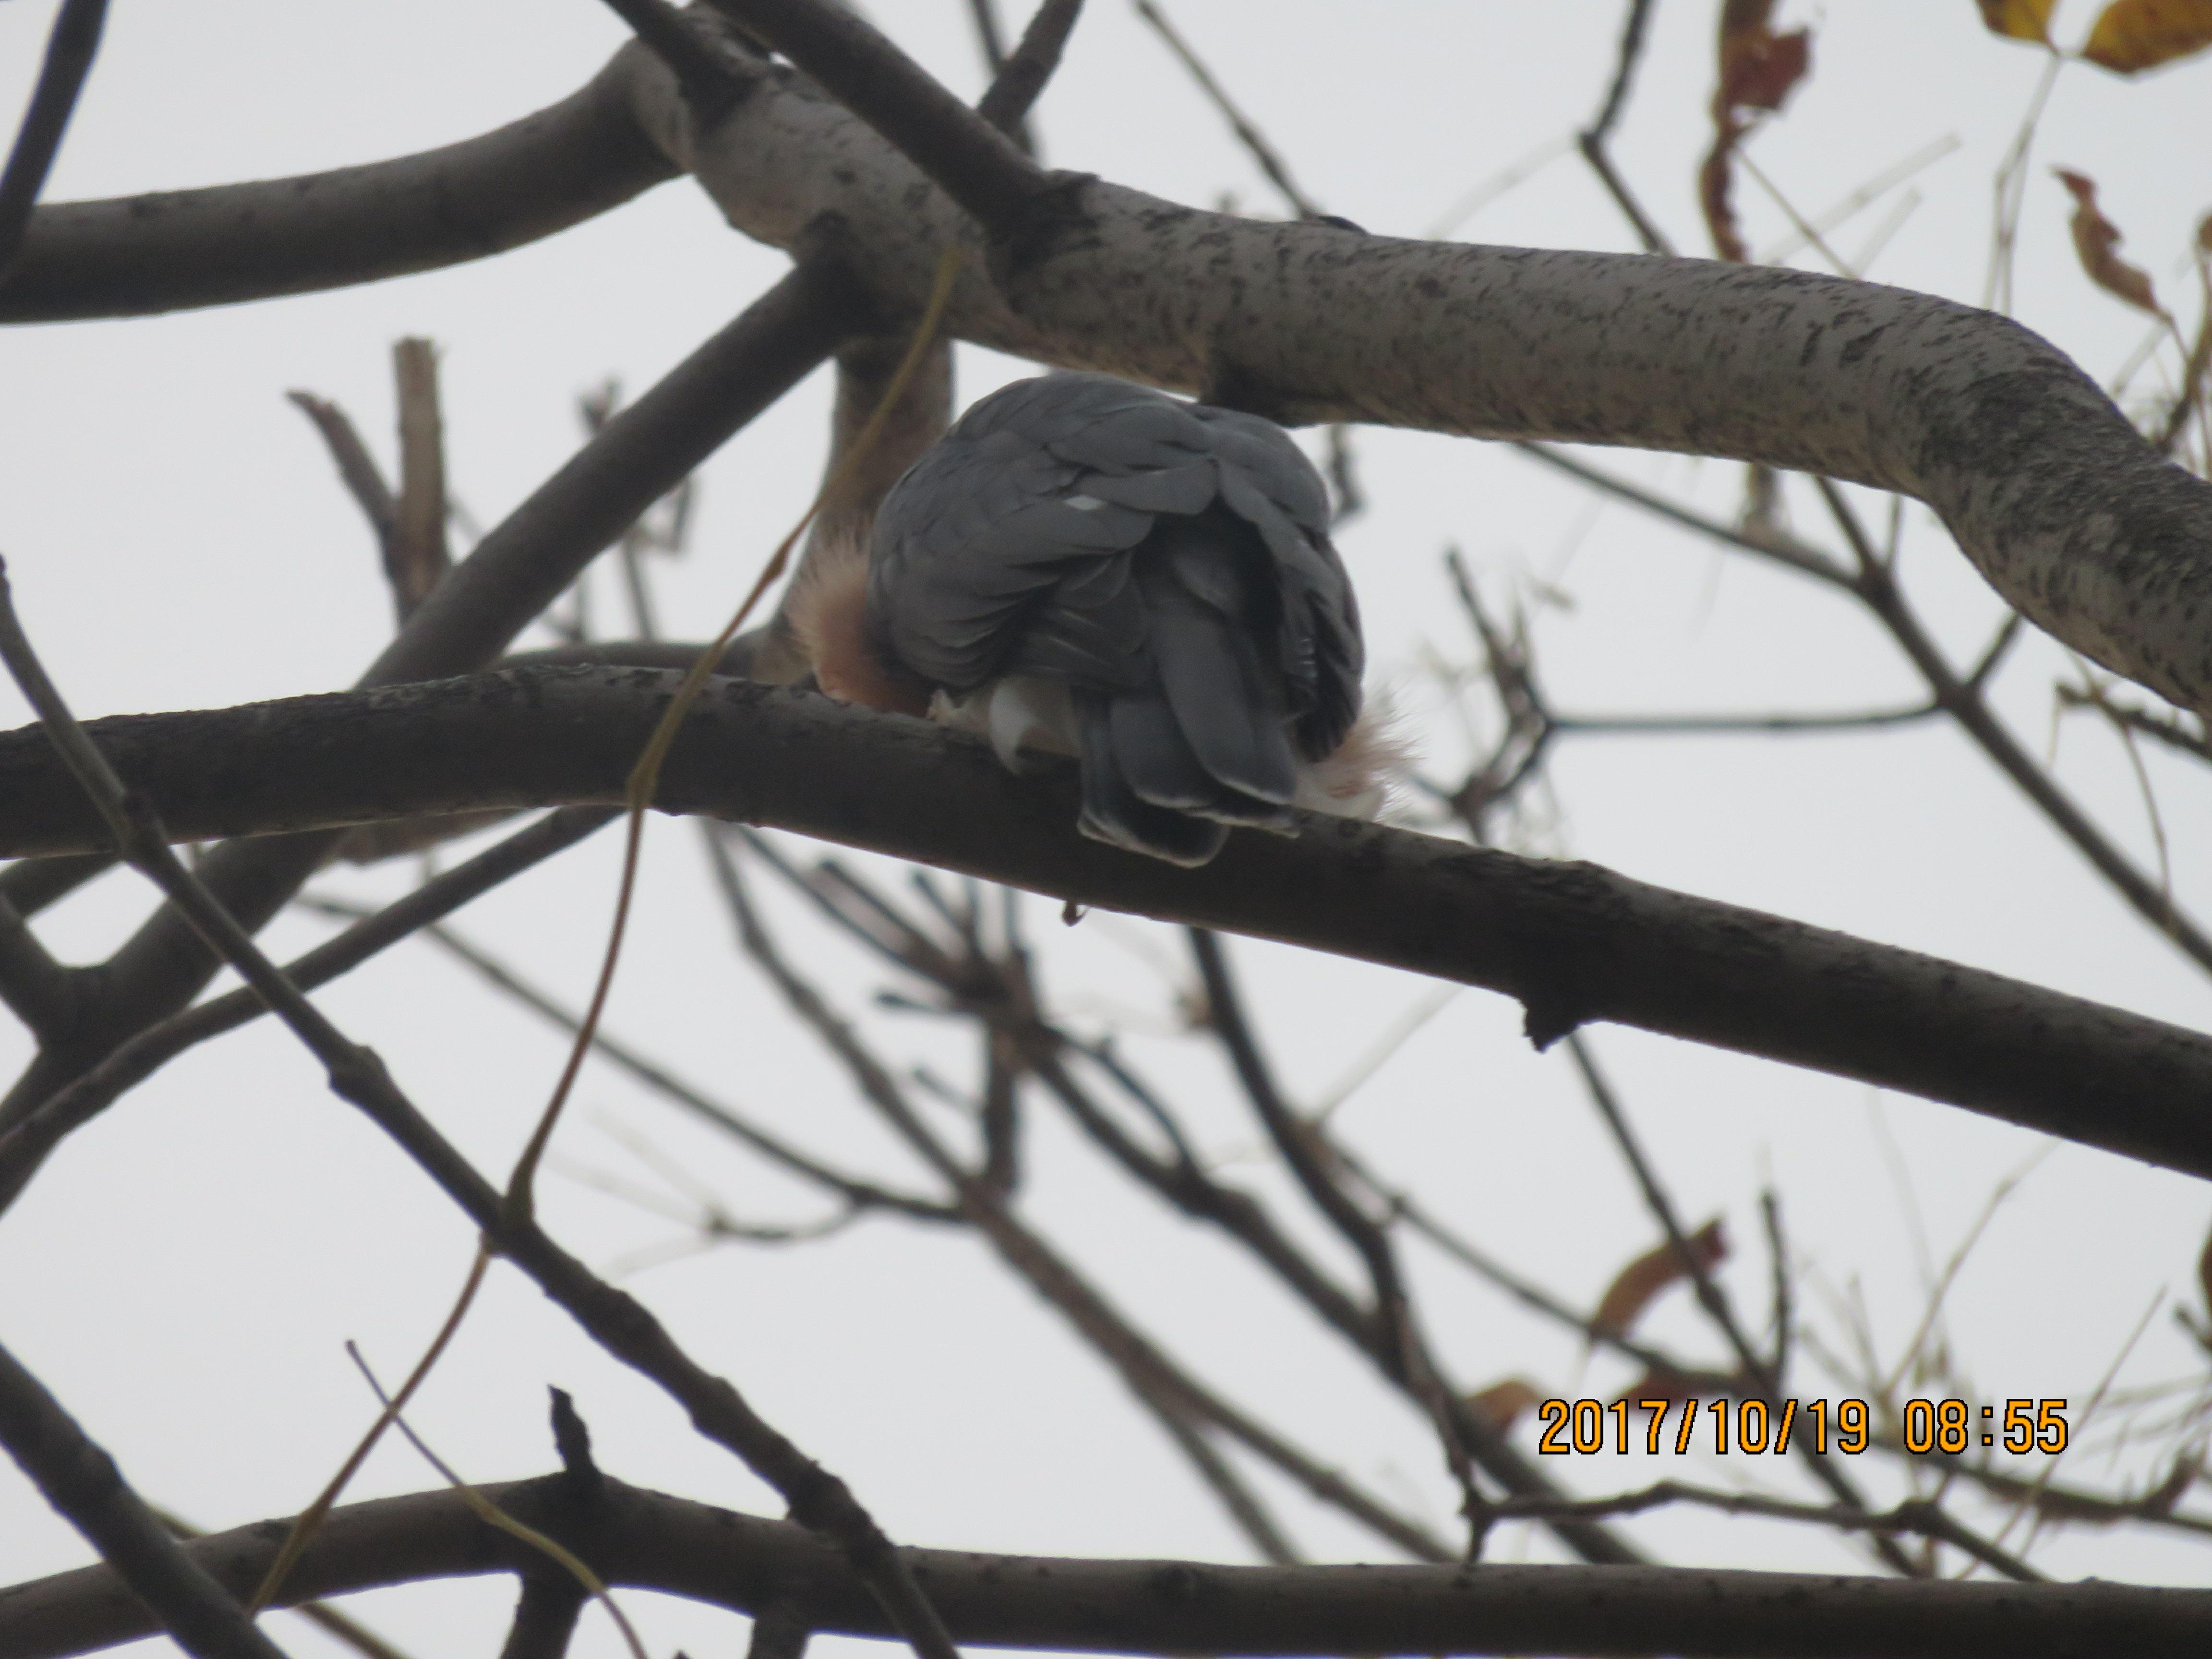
(2072, 516)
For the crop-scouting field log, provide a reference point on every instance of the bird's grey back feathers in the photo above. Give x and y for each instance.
(1169, 562)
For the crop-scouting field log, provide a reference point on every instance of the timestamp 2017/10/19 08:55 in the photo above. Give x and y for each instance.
(1949, 1427)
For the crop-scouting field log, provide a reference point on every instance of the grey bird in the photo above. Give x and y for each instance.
(1085, 565)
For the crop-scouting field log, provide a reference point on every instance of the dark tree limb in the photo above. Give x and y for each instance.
(1017, 80)
(981, 168)
(70, 47)
(647, 1540)
(1572, 941)
(178, 249)
(34, 987)
(170, 1587)
(545, 1614)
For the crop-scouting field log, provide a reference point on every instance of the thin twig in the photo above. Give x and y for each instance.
(415, 557)
(1914, 1516)
(22, 1148)
(1709, 1293)
(80, 1480)
(1255, 142)
(358, 469)
(1148, 1370)
(1592, 141)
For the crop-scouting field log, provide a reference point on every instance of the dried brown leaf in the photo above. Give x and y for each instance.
(2134, 35)
(2097, 238)
(1502, 1404)
(1632, 1290)
(1665, 1383)
(1758, 70)
(2020, 20)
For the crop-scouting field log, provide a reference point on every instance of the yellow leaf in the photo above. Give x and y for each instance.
(2020, 20)
(2134, 35)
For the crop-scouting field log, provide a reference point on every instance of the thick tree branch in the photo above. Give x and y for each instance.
(1572, 941)
(2070, 514)
(647, 1540)
(139, 254)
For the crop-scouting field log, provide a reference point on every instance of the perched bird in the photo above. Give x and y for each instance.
(1091, 567)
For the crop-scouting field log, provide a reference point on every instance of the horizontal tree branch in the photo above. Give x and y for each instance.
(135, 255)
(648, 1540)
(1572, 941)
(2069, 513)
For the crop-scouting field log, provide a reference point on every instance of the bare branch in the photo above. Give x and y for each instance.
(33, 987)
(1592, 140)
(1155, 1378)
(140, 254)
(708, 85)
(632, 1537)
(1710, 1295)
(517, 570)
(1573, 942)
(1254, 142)
(857, 1193)
(1925, 1519)
(1399, 1351)
(358, 469)
(1019, 81)
(1999, 432)
(983, 169)
(415, 556)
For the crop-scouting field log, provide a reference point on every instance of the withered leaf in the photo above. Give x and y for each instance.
(2097, 238)
(1758, 68)
(1632, 1291)
(2133, 35)
(1665, 1383)
(2020, 20)
(1502, 1403)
